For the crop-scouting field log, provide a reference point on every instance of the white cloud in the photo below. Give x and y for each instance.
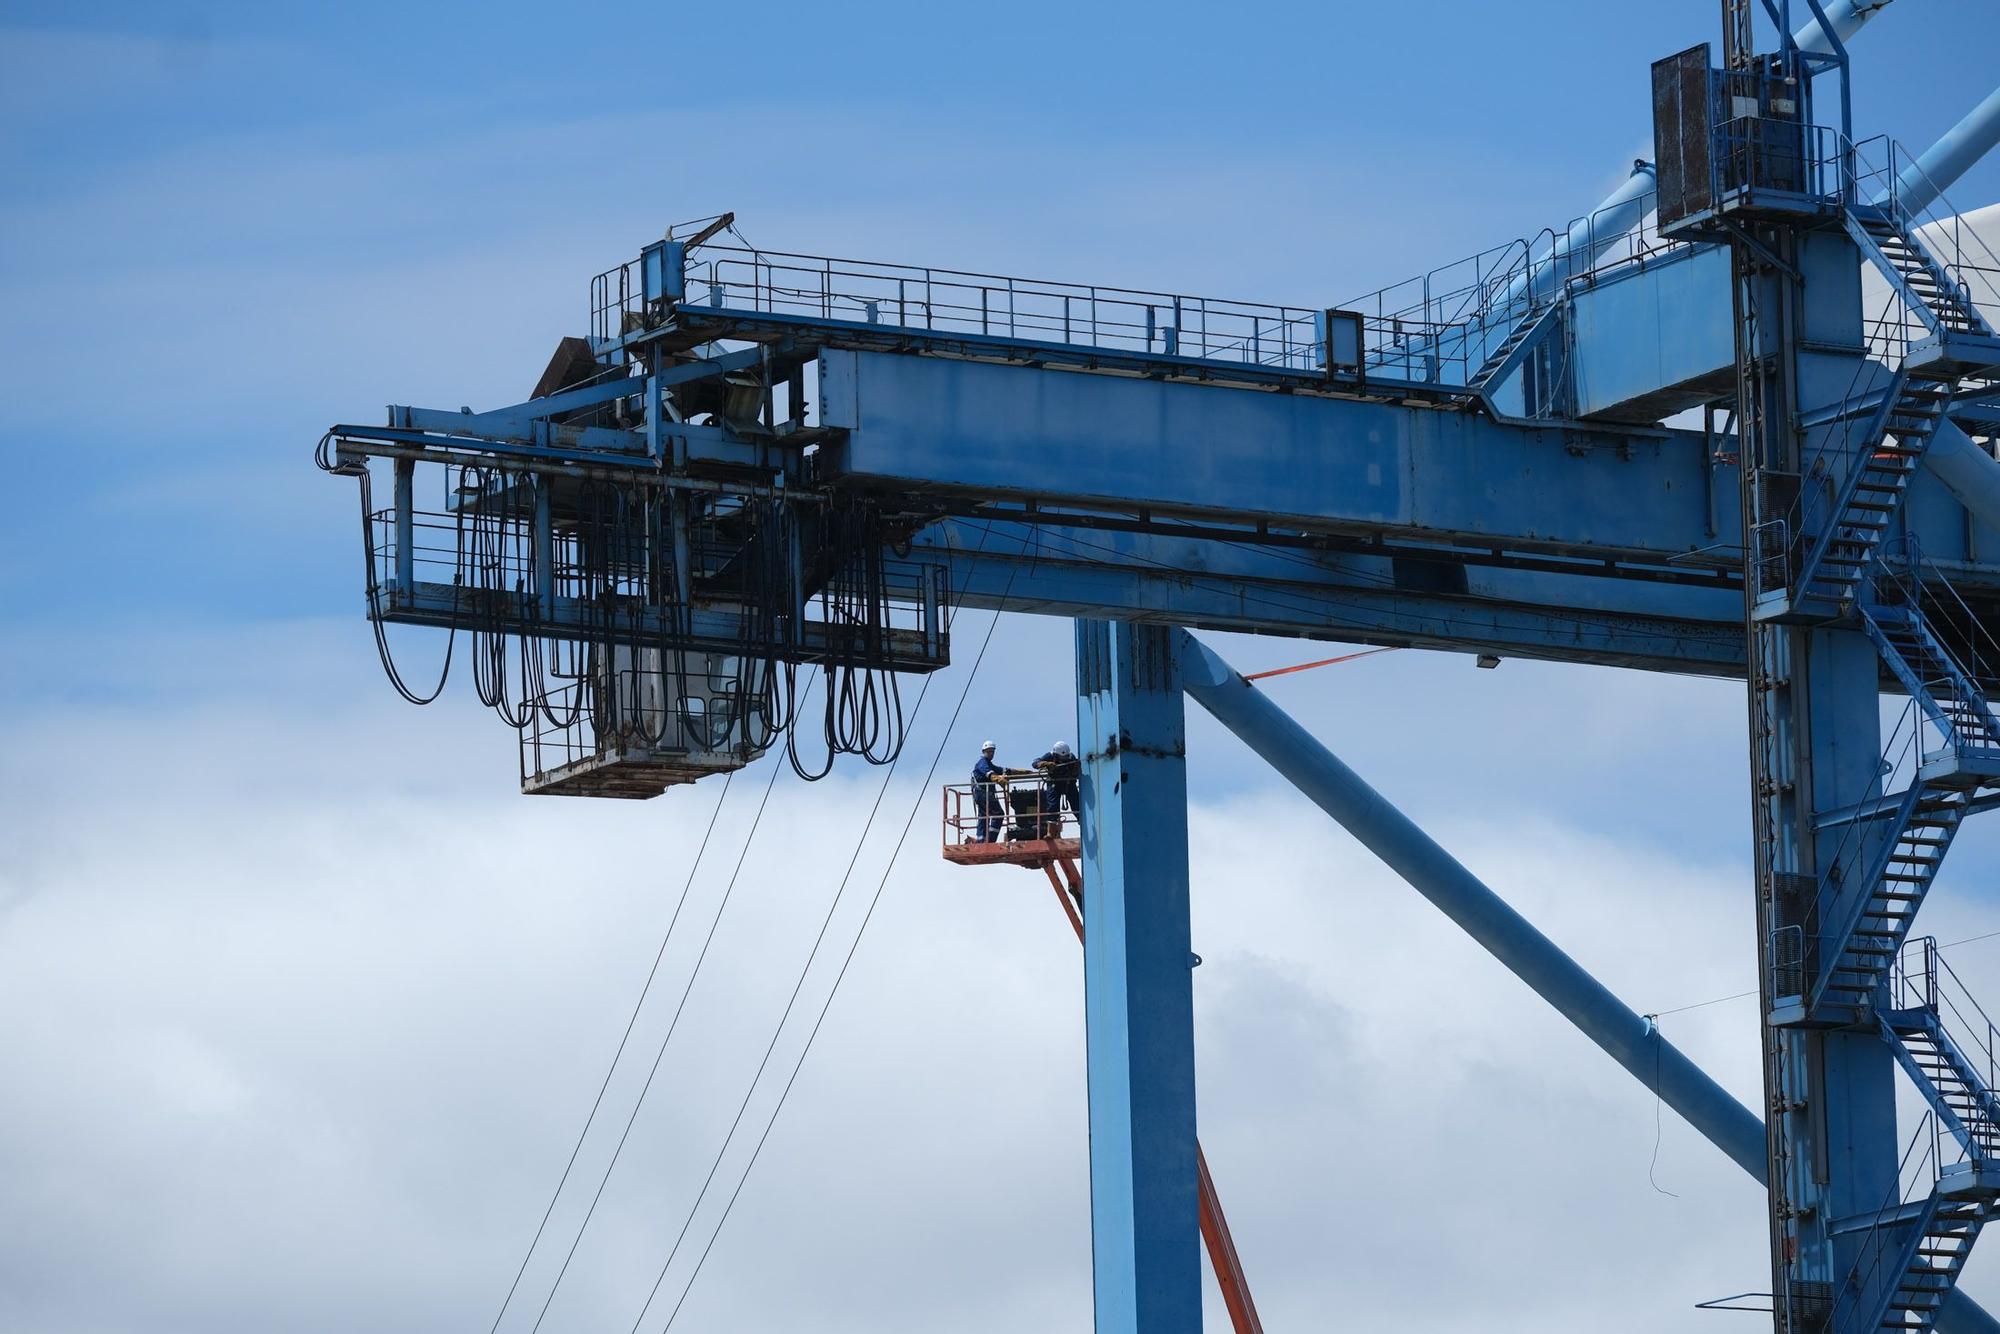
(301, 1042)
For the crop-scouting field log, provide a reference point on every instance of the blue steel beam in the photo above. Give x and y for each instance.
(1366, 468)
(1615, 1027)
(1138, 995)
(1214, 586)
(1337, 464)
(1531, 956)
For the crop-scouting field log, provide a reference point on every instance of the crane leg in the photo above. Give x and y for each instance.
(1138, 992)
(1222, 1257)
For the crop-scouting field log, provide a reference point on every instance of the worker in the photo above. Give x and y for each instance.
(1060, 769)
(987, 780)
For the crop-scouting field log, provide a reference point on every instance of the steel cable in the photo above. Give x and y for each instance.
(916, 805)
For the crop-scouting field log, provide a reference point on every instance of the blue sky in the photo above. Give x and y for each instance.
(310, 982)
(260, 219)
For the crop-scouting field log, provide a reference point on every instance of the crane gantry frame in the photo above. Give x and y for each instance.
(758, 460)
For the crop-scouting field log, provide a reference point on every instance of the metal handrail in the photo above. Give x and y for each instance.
(1933, 985)
(1877, 1245)
(965, 822)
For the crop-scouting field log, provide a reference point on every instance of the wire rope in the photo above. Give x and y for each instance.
(672, 1026)
(923, 789)
(616, 1056)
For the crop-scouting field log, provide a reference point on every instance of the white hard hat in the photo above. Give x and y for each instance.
(1061, 748)
(988, 746)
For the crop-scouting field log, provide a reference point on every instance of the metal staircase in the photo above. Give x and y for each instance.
(1894, 440)
(1926, 820)
(1944, 690)
(1947, 1077)
(1898, 424)
(1936, 298)
(1860, 949)
(1940, 1240)
(1946, 1044)
(1507, 356)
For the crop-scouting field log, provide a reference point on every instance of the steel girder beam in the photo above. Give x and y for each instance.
(1358, 466)
(1215, 586)
(1615, 1027)
(1461, 485)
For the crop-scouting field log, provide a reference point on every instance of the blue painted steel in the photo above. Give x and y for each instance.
(1968, 472)
(1531, 956)
(1337, 463)
(1621, 1033)
(1138, 990)
(1179, 581)
(1651, 341)
(1377, 469)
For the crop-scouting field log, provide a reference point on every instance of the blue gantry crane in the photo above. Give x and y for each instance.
(1738, 421)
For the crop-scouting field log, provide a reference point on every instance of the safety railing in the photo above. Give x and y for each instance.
(1022, 808)
(1824, 169)
(636, 703)
(1886, 1243)
(1922, 583)
(1771, 555)
(604, 570)
(1923, 980)
(1442, 325)
(952, 302)
(1887, 175)
(1435, 328)
(1797, 957)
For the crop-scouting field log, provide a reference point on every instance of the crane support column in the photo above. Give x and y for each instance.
(1531, 956)
(1138, 988)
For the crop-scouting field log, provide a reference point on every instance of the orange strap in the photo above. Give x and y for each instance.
(1323, 662)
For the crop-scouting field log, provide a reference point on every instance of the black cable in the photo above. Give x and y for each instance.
(324, 459)
(1659, 1041)
(626, 1037)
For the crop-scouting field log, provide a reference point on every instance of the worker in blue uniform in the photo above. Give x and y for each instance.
(987, 780)
(1060, 770)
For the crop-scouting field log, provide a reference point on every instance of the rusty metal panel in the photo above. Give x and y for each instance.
(1682, 133)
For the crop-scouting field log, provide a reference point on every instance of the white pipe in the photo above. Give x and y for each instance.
(1847, 16)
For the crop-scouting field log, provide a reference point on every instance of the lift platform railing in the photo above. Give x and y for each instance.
(1022, 810)
(679, 709)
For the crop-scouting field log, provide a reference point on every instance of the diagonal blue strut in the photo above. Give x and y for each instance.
(1433, 872)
